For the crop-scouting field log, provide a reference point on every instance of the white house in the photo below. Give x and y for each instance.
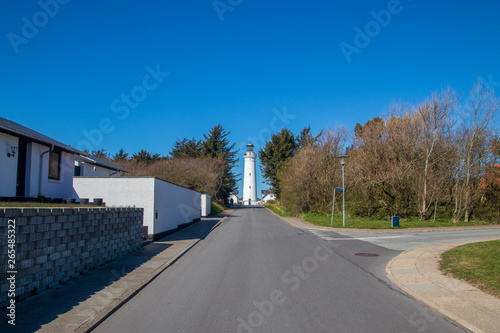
(34, 165)
(234, 197)
(91, 166)
(266, 196)
(166, 206)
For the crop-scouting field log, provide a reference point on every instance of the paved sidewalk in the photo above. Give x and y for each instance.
(416, 273)
(84, 302)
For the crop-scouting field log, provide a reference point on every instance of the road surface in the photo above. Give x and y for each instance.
(257, 273)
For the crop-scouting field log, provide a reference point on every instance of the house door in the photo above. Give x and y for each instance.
(21, 168)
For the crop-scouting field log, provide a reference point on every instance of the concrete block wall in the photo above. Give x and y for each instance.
(53, 245)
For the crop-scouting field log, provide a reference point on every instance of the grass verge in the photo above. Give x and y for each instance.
(216, 208)
(277, 209)
(355, 222)
(476, 263)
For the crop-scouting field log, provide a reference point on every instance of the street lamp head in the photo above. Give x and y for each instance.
(342, 158)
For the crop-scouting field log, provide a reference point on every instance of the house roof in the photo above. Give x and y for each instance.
(15, 129)
(490, 178)
(100, 162)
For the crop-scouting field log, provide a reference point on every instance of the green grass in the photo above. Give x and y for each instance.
(367, 223)
(476, 263)
(278, 210)
(217, 208)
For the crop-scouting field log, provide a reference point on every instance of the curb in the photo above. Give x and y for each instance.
(130, 293)
(440, 281)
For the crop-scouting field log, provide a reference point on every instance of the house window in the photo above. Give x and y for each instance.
(55, 165)
(78, 169)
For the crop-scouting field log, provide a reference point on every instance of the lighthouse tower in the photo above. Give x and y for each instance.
(249, 181)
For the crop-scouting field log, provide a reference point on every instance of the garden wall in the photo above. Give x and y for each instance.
(55, 244)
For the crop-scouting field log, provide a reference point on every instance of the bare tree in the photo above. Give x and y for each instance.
(474, 148)
(435, 124)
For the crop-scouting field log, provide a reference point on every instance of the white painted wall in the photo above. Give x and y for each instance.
(234, 197)
(267, 197)
(8, 166)
(175, 205)
(62, 188)
(206, 201)
(120, 192)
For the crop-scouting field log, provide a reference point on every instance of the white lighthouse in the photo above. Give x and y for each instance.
(249, 181)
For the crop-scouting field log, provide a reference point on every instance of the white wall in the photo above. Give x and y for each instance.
(267, 197)
(206, 201)
(120, 192)
(175, 205)
(8, 166)
(234, 197)
(62, 188)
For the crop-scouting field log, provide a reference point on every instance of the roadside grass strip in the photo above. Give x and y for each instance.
(476, 263)
(368, 223)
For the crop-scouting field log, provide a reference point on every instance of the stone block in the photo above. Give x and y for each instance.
(12, 212)
(48, 250)
(43, 227)
(24, 281)
(34, 237)
(49, 235)
(41, 259)
(36, 220)
(44, 211)
(35, 253)
(56, 211)
(56, 226)
(29, 212)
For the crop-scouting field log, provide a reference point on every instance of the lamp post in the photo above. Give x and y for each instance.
(342, 162)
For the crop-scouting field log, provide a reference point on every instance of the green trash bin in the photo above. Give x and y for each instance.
(395, 221)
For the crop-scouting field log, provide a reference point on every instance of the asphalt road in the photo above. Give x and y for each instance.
(257, 273)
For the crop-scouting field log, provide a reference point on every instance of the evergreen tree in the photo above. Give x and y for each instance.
(216, 145)
(274, 156)
(121, 156)
(100, 153)
(305, 138)
(145, 157)
(186, 148)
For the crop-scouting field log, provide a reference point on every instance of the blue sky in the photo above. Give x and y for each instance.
(252, 66)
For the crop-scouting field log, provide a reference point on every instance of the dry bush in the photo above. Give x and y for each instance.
(202, 174)
(310, 177)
